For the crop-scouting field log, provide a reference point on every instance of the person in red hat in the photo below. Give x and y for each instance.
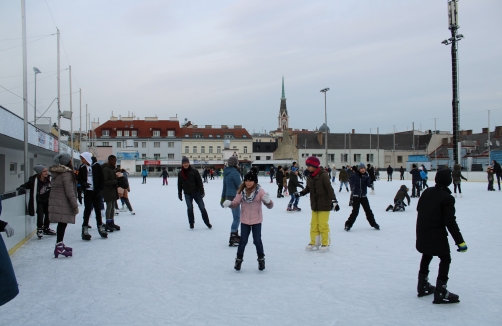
(322, 201)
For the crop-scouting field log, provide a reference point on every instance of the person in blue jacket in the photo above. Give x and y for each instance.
(423, 176)
(144, 173)
(360, 181)
(231, 182)
(8, 283)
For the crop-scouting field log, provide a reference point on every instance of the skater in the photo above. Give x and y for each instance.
(190, 182)
(90, 176)
(211, 174)
(457, 179)
(279, 175)
(390, 170)
(79, 188)
(333, 174)
(292, 185)
(164, 176)
(231, 183)
(250, 196)
(436, 215)
(272, 173)
(205, 173)
(63, 205)
(360, 181)
(424, 177)
(8, 287)
(497, 170)
(399, 204)
(489, 172)
(343, 177)
(110, 193)
(144, 174)
(39, 185)
(285, 181)
(371, 173)
(401, 173)
(416, 181)
(322, 201)
(123, 190)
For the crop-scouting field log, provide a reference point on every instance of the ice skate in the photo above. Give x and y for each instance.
(347, 227)
(192, 226)
(49, 231)
(261, 263)
(289, 208)
(389, 208)
(102, 232)
(296, 209)
(85, 233)
(234, 239)
(311, 247)
(132, 213)
(424, 287)
(116, 212)
(238, 263)
(109, 226)
(324, 249)
(442, 295)
(115, 226)
(60, 250)
(372, 192)
(376, 226)
(40, 233)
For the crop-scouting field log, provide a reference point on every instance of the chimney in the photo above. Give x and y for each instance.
(320, 137)
(353, 131)
(485, 130)
(498, 131)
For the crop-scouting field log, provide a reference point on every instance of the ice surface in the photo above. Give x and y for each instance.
(156, 271)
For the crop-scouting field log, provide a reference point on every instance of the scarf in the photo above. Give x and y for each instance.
(248, 195)
(316, 172)
(184, 173)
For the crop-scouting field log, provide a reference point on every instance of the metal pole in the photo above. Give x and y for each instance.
(413, 135)
(35, 102)
(59, 101)
(25, 91)
(71, 120)
(455, 94)
(370, 147)
(394, 148)
(378, 144)
(350, 148)
(80, 126)
(326, 136)
(435, 149)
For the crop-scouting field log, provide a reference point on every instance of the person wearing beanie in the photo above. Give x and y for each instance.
(343, 177)
(279, 175)
(399, 204)
(190, 182)
(360, 181)
(457, 180)
(63, 204)
(250, 197)
(416, 181)
(490, 174)
(39, 185)
(91, 179)
(435, 219)
(292, 185)
(322, 201)
(231, 182)
(110, 192)
(371, 173)
(144, 173)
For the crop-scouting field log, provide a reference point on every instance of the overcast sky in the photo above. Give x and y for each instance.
(221, 62)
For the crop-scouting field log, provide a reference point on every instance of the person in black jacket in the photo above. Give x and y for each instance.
(292, 185)
(390, 170)
(8, 285)
(164, 176)
(416, 181)
(399, 204)
(436, 215)
(401, 171)
(190, 182)
(91, 179)
(497, 170)
(371, 173)
(279, 180)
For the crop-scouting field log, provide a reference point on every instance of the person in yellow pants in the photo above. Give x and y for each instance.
(322, 201)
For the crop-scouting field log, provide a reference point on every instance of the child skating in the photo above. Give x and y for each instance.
(292, 185)
(457, 180)
(250, 196)
(399, 204)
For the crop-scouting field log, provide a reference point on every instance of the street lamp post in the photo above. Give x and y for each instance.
(326, 124)
(37, 71)
(453, 26)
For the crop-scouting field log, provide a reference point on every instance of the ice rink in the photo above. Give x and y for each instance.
(156, 271)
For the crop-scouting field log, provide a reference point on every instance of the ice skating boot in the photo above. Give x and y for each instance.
(124, 208)
(347, 189)
(234, 239)
(115, 226)
(85, 233)
(116, 212)
(289, 209)
(132, 213)
(372, 192)
(238, 263)
(389, 208)
(49, 231)
(340, 190)
(442, 295)
(347, 226)
(314, 246)
(324, 249)
(261, 263)
(40, 233)
(109, 226)
(296, 209)
(376, 226)
(424, 287)
(192, 226)
(102, 231)
(60, 250)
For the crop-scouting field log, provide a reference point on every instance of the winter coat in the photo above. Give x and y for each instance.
(164, 174)
(63, 198)
(390, 170)
(231, 182)
(343, 176)
(401, 170)
(490, 174)
(294, 183)
(371, 173)
(360, 183)
(32, 185)
(415, 173)
(436, 214)
(456, 175)
(251, 213)
(192, 184)
(272, 171)
(8, 285)
(423, 175)
(496, 168)
(285, 180)
(97, 177)
(401, 194)
(321, 191)
(278, 177)
(110, 183)
(144, 173)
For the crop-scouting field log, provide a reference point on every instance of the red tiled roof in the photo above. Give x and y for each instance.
(206, 132)
(144, 128)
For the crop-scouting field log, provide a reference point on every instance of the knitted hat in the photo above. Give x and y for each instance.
(443, 177)
(313, 162)
(294, 169)
(39, 168)
(233, 161)
(251, 175)
(185, 160)
(62, 159)
(361, 166)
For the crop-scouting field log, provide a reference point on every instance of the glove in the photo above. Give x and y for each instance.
(226, 203)
(297, 194)
(462, 247)
(9, 230)
(75, 211)
(334, 203)
(180, 196)
(266, 198)
(221, 201)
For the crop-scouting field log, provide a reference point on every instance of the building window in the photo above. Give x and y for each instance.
(143, 155)
(202, 149)
(318, 155)
(387, 158)
(105, 143)
(344, 157)
(369, 157)
(156, 133)
(134, 133)
(210, 149)
(228, 136)
(218, 149)
(194, 149)
(234, 147)
(170, 133)
(198, 136)
(13, 168)
(119, 133)
(156, 144)
(170, 144)
(138, 168)
(186, 149)
(105, 133)
(331, 157)
(269, 158)
(245, 149)
(156, 156)
(119, 144)
(126, 133)
(143, 144)
(258, 158)
(22, 168)
(135, 144)
(357, 157)
(170, 156)
(399, 159)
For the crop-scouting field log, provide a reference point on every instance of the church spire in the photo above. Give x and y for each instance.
(283, 93)
(283, 111)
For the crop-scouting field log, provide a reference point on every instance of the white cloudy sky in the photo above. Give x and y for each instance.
(221, 62)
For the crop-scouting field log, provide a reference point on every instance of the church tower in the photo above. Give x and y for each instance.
(283, 111)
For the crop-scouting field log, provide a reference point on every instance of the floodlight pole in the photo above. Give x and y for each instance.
(25, 90)
(59, 99)
(326, 124)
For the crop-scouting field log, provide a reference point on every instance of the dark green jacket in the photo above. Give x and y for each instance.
(110, 181)
(321, 191)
